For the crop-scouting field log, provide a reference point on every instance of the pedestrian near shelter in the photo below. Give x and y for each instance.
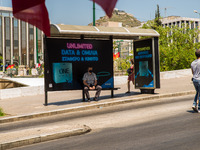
(71, 49)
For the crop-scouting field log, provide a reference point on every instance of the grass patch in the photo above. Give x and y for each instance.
(1, 112)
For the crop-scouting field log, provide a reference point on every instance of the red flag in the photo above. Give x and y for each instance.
(33, 12)
(115, 56)
(107, 5)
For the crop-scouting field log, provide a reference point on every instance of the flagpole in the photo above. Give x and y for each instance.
(94, 13)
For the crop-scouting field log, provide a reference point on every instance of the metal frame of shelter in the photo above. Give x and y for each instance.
(93, 32)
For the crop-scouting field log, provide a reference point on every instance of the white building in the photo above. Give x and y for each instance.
(179, 21)
(18, 44)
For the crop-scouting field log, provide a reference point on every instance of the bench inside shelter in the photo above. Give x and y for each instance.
(104, 89)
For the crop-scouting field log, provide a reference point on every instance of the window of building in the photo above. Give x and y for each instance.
(15, 42)
(5, 14)
(192, 25)
(182, 23)
(40, 51)
(1, 48)
(23, 44)
(187, 23)
(178, 23)
(7, 40)
(31, 45)
(196, 24)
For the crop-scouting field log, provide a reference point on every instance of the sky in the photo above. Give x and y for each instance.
(79, 12)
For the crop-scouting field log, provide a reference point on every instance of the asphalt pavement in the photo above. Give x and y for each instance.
(163, 124)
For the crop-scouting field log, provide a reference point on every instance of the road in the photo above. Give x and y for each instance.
(164, 124)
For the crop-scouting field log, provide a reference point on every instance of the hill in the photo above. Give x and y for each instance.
(128, 20)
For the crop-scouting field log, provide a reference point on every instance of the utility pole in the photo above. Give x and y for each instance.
(94, 13)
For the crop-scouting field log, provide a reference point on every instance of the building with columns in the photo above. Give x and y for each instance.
(177, 20)
(20, 42)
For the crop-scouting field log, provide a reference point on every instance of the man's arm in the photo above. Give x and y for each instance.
(95, 83)
(85, 83)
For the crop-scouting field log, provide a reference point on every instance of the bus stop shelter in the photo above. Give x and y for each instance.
(63, 52)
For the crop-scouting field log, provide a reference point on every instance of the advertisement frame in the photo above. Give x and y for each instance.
(155, 63)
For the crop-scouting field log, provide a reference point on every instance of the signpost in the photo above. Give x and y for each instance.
(147, 69)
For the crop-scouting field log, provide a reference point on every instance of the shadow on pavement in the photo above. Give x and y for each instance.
(191, 111)
(75, 101)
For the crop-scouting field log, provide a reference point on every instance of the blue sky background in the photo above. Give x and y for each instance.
(79, 12)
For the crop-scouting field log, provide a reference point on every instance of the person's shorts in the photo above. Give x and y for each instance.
(131, 77)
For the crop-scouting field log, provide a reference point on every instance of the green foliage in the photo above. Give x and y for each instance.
(41, 76)
(177, 47)
(1, 60)
(154, 24)
(123, 64)
(1, 112)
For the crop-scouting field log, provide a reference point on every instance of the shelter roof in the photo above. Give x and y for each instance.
(61, 30)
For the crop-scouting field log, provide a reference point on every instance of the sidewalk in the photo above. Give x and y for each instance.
(172, 83)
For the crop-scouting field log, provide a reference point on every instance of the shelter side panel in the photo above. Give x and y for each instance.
(143, 56)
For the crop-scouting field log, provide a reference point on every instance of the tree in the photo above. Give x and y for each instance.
(177, 47)
(157, 21)
(154, 24)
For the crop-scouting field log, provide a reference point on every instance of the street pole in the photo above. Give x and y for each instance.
(94, 13)
(37, 61)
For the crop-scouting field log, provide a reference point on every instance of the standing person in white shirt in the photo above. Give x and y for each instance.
(195, 66)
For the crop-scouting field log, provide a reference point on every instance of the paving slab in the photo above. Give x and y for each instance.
(39, 134)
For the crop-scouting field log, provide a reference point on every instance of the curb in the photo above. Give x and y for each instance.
(90, 106)
(44, 137)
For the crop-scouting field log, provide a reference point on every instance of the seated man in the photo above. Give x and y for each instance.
(90, 82)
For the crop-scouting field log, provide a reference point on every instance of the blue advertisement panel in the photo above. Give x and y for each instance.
(67, 61)
(144, 67)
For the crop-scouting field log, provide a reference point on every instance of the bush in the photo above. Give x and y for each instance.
(123, 64)
(1, 112)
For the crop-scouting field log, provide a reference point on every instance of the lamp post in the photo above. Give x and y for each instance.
(195, 11)
(94, 13)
